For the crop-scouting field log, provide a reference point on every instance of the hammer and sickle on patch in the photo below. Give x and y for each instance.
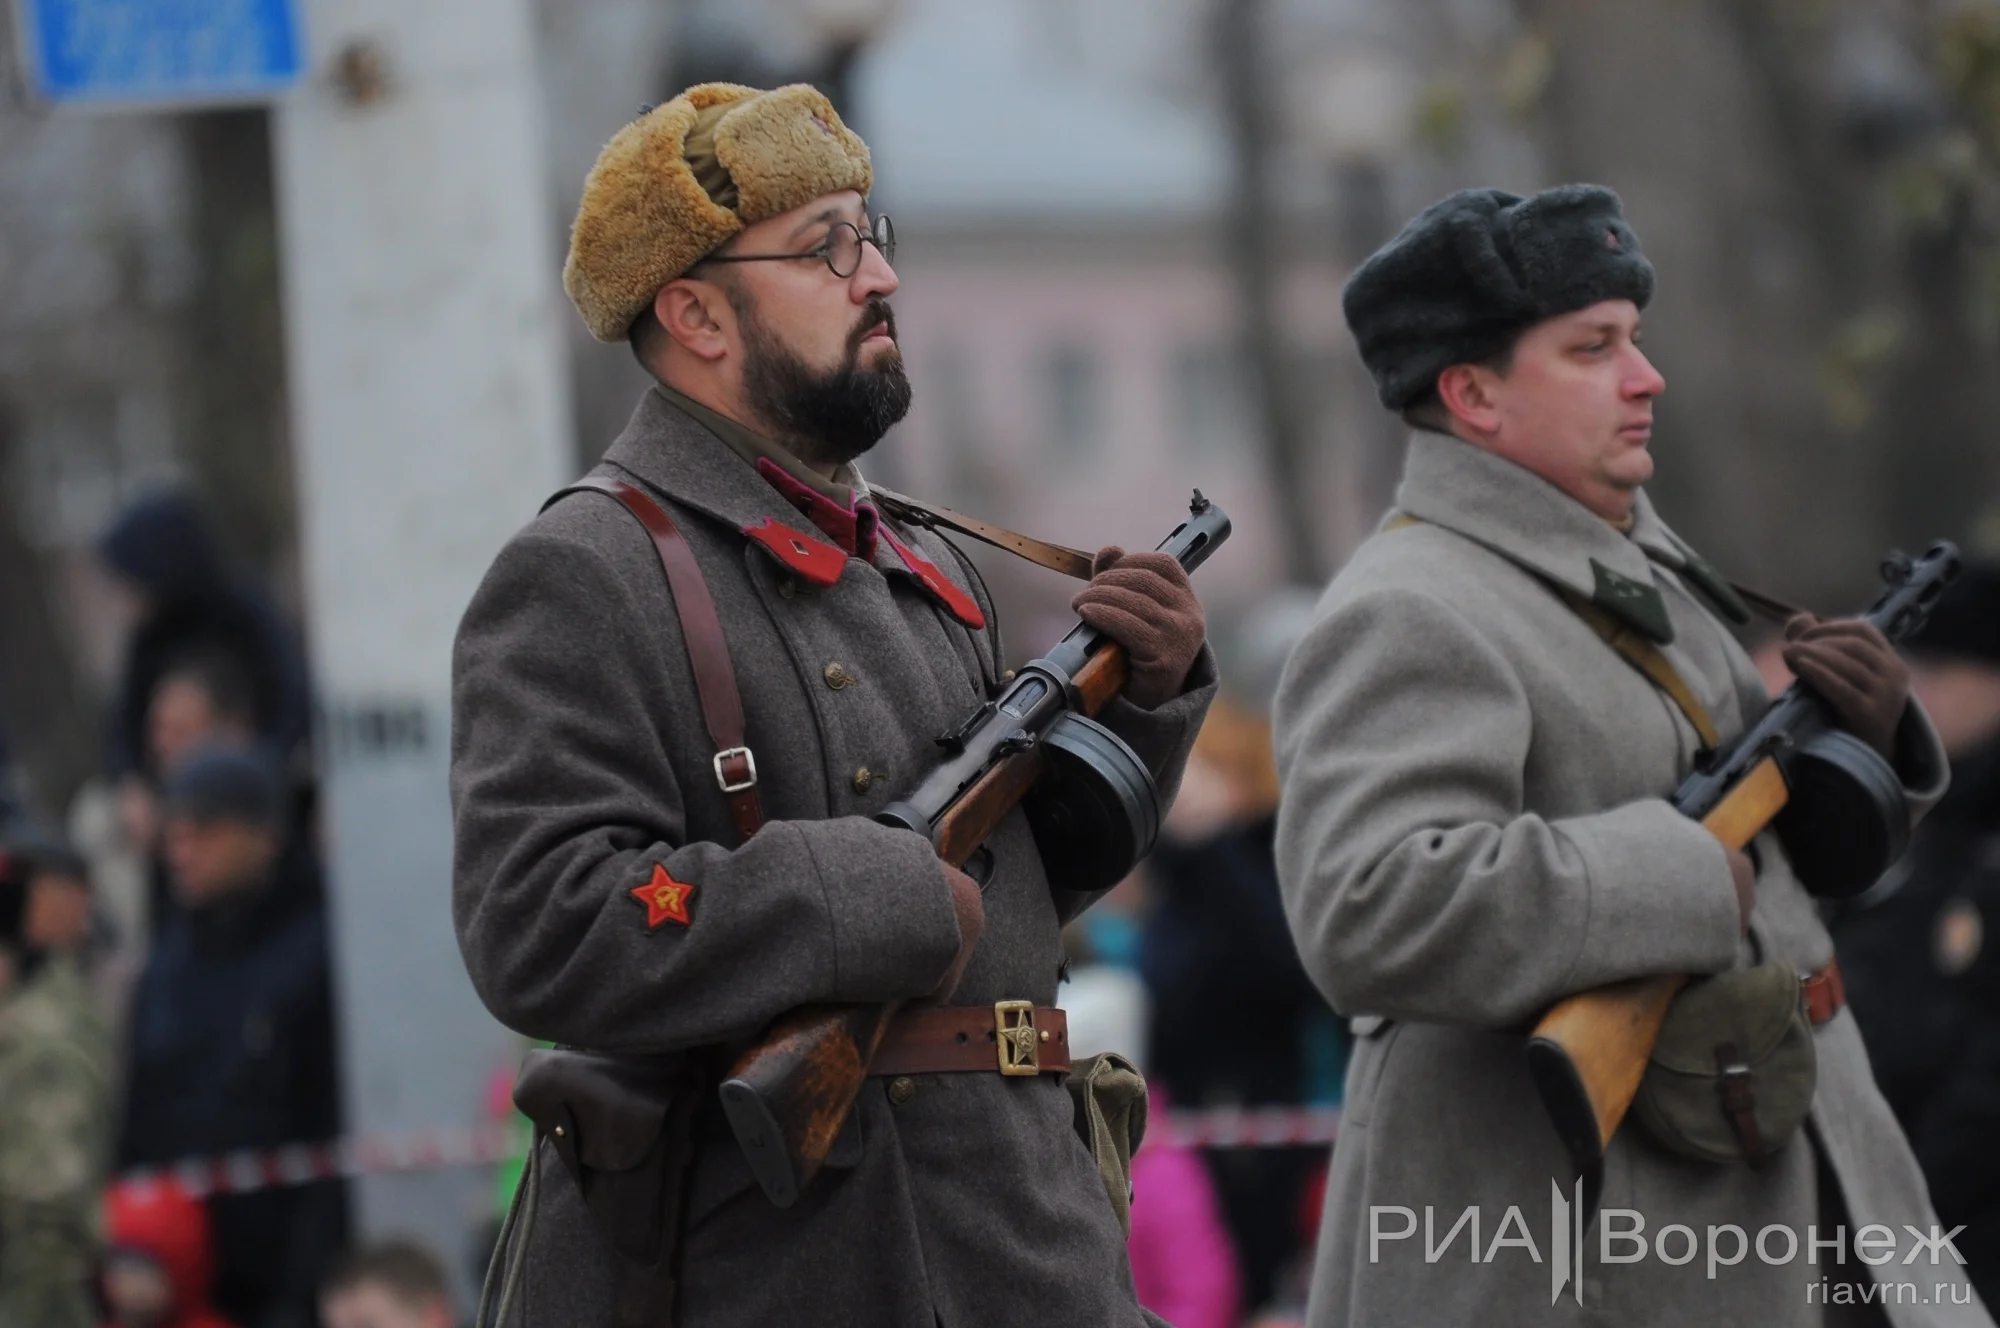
(666, 899)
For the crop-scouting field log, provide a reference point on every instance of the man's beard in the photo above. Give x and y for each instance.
(827, 417)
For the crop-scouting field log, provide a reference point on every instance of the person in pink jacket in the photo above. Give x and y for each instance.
(1183, 1265)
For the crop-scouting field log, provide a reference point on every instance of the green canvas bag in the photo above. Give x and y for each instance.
(1734, 1070)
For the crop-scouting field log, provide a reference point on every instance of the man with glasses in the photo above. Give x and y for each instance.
(644, 868)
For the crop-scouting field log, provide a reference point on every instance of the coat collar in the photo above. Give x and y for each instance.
(672, 452)
(842, 490)
(1525, 519)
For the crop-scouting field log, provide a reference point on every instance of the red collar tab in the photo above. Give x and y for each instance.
(666, 899)
(817, 562)
(852, 527)
(961, 605)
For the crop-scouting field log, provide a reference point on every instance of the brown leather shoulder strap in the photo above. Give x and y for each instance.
(708, 650)
(1633, 648)
(1055, 557)
(1770, 608)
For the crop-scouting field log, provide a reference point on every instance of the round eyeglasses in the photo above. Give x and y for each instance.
(841, 249)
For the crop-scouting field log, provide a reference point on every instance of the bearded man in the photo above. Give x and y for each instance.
(646, 868)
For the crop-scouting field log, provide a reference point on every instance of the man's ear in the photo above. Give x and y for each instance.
(696, 316)
(1467, 393)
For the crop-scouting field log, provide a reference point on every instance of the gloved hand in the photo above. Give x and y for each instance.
(971, 910)
(1856, 671)
(1143, 602)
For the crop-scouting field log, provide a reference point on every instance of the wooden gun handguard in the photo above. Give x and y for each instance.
(1590, 1050)
(789, 1095)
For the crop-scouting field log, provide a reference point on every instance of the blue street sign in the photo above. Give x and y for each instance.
(160, 51)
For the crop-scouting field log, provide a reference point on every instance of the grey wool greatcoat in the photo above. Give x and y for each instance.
(580, 763)
(1473, 825)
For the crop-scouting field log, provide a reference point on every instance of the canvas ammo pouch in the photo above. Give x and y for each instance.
(624, 1128)
(1109, 1097)
(1734, 1069)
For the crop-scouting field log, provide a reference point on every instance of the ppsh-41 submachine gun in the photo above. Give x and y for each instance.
(1837, 806)
(1093, 808)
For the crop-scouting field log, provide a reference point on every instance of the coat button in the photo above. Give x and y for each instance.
(837, 676)
(788, 588)
(865, 779)
(901, 1089)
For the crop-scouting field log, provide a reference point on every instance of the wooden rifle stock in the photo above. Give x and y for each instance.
(1589, 1051)
(788, 1096)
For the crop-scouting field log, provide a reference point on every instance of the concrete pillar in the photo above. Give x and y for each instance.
(430, 420)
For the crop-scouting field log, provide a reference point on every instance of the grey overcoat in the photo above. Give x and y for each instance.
(580, 762)
(1473, 825)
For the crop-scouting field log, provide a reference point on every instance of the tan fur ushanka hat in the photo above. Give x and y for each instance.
(646, 217)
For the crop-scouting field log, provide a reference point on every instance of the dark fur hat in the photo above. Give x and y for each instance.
(1476, 268)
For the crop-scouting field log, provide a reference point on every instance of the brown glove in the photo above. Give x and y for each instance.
(971, 910)
(1143, 602)
(1852, 666)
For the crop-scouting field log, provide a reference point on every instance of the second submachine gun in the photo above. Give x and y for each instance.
(1837, 805)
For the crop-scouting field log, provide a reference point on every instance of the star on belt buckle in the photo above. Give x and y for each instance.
(1017, 1041)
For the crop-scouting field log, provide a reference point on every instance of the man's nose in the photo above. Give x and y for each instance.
(874, 277)
(1642, 380)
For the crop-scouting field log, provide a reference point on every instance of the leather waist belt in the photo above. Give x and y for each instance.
(1825, 993)
(1011, 1038)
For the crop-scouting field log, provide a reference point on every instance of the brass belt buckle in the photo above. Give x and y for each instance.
(1018, 1042)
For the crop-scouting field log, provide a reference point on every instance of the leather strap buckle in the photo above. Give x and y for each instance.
(1015, 1038)
(708, 651)
(749, 766)
(1825, 993)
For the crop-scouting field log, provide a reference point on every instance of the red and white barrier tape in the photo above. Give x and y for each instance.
(358, 1155)
(478, 1145)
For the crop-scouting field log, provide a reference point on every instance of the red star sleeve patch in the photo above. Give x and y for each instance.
(666, 899)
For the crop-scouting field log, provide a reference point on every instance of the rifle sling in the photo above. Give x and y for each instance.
(1633, 648)
(1650, 660)
(701, 626)
(708, 651)
(1774, 610)
(1055, 557)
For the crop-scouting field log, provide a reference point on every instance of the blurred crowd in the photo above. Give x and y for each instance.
(1191, 964)
(166, 988)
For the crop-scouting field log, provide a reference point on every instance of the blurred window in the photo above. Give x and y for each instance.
(953, 393)
(1210, 393)
(1074, 391)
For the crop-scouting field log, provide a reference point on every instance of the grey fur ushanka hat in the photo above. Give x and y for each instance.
(1472, 270)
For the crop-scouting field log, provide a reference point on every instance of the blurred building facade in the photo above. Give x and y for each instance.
(1819, 185)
